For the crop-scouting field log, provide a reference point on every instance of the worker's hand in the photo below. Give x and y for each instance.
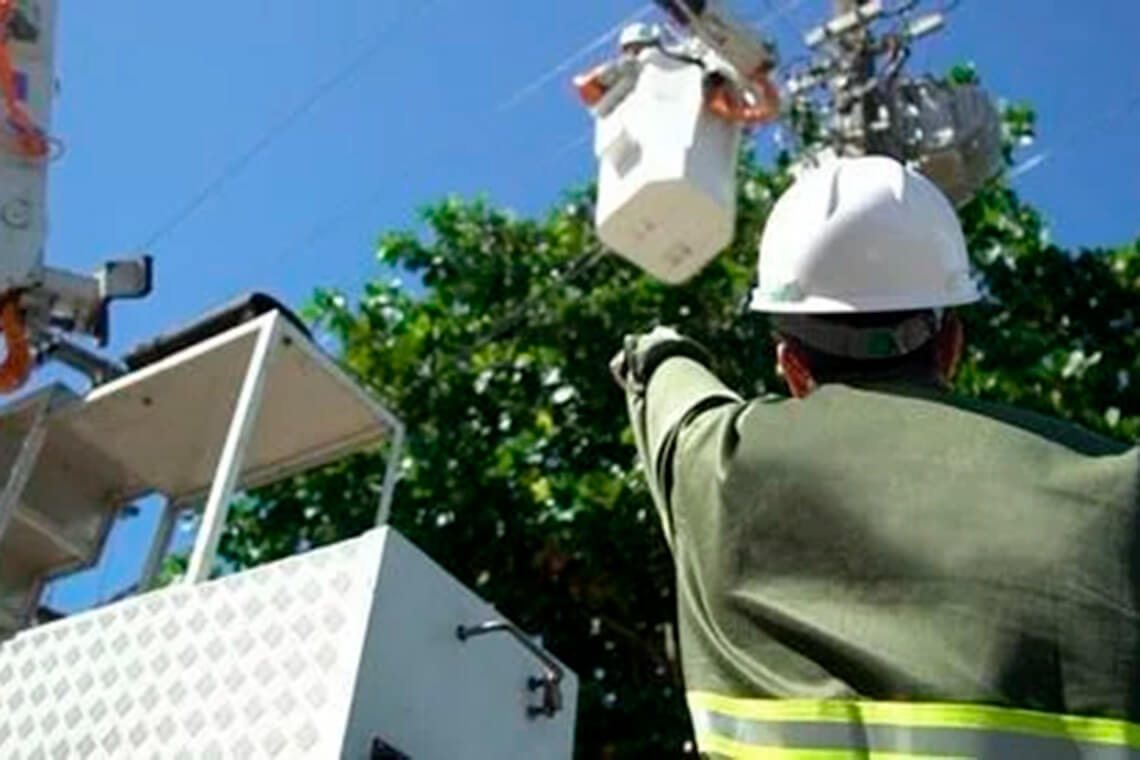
(619, 366)
(642, 354)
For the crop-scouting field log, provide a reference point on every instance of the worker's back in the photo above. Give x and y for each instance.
(897, 544)
(879, 568)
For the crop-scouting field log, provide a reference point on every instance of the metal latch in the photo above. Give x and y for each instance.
(549, 683)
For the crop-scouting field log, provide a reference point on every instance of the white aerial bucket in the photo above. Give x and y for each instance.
(667, 183)
(23, 180)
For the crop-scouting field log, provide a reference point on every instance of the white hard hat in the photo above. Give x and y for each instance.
(862, 235)
(639, 34)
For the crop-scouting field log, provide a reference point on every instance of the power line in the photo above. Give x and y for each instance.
(781, 14)
(1101, 120)
(582, 139)
(578, 267)
(329, 223)
(527, 90)
(239, 163)
(1029, 164)
(1107, 117)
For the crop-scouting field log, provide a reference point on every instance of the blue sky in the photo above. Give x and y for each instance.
(158, 98)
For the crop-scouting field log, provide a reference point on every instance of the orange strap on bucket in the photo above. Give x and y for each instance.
(591, 89)
(31, 141)
(723, 101)
(17, 365)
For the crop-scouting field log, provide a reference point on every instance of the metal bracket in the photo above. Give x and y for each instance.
(549, 682)
(98, 369)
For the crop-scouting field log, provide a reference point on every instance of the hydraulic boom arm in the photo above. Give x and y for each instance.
(40, 305)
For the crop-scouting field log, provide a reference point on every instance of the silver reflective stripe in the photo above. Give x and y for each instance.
(720, 733)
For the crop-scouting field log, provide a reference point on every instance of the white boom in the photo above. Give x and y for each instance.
(39, 304)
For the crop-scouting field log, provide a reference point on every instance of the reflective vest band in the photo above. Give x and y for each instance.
(827, 730)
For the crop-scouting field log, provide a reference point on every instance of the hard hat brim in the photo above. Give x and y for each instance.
(862, 235)
(816, 304)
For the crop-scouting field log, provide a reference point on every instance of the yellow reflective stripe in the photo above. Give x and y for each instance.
(718, 745)
(1116, 733)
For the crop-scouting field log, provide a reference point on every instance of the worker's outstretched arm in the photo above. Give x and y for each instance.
(668, 387)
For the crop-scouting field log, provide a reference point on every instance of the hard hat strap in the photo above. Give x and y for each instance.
(877, 342)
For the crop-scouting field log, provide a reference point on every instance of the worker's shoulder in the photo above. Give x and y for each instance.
(945, 408)
(1060, 431)
(925, 406)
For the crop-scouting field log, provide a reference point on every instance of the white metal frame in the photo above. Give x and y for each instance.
(159, 544)
(271, 330)
(391, 476)
(233, 452)
(25, 462)
(265, 338)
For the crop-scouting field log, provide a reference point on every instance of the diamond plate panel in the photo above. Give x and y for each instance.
(257, 665)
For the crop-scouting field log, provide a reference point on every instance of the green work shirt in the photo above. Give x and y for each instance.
(895, 543)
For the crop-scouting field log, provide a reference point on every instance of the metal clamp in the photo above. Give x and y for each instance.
(549, 682)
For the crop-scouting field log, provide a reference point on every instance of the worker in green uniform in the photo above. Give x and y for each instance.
(875, 567)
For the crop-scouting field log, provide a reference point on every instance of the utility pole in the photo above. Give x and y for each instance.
(855, 96)
(870, 106)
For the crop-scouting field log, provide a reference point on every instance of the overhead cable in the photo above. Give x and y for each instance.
(1104, 118)
(326, 225)
(610, 34)
(781, 14)
(241, 161)
(503, 327)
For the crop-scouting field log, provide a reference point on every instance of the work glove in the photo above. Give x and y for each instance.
(641, 355)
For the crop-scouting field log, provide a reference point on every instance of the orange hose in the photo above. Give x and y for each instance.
(30, 139)
(727, 104)
(17, 365)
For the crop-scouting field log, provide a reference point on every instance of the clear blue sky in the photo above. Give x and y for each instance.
(158, 97)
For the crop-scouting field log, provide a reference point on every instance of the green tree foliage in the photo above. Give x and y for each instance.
(520, 474)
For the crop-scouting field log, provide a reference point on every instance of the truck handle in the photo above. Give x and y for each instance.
(550, 680)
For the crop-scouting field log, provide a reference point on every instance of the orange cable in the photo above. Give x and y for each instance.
(32, 143)
(728, 105)
(30, 139)
(17, 365)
